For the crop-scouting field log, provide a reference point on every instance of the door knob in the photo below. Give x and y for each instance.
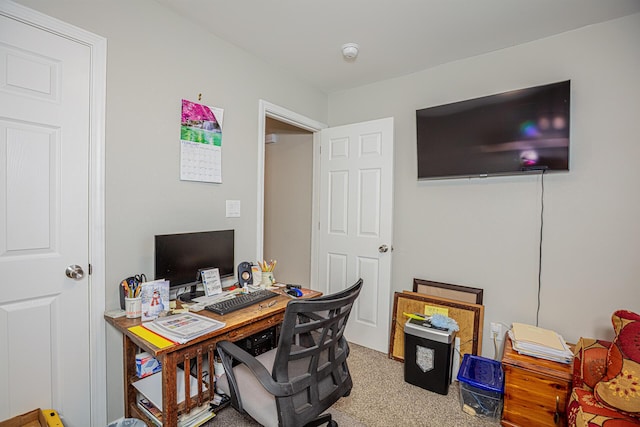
(383, 248)
(74, 272)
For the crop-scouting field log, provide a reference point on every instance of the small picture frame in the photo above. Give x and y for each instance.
(211, 281)
(154, 298)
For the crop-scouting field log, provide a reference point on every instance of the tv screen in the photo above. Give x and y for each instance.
(510, 133)
(178, 257)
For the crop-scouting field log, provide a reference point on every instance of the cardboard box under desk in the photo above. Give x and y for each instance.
(33, 418)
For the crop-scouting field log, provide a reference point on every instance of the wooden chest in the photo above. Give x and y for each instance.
(536, 391)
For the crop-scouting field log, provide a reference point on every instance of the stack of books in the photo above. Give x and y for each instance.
(196, 418)
(150, 400)
(539, 342)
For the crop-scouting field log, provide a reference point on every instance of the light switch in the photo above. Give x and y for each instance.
(233, 208)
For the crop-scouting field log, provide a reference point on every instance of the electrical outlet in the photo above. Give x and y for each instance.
(496, 330)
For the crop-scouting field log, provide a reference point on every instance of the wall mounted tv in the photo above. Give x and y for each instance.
(517, 132)
(178, 257)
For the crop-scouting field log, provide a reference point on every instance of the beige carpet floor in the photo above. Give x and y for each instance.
(381, 397)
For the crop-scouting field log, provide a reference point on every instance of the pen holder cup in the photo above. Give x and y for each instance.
(133, 307)
(267, 279)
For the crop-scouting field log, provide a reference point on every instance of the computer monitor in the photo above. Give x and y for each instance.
(180, 257)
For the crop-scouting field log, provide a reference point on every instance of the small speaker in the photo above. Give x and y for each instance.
(244, 274)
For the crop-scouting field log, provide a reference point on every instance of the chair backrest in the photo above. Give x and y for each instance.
(312, 355)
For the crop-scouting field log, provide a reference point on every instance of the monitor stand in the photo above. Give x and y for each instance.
(189, 296)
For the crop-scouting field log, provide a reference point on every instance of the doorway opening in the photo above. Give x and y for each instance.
(288, 184)
(287, 205)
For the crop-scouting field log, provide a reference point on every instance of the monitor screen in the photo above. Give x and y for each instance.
(178, 257)
(505, 134)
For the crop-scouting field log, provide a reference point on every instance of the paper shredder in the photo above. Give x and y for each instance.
(428, 356)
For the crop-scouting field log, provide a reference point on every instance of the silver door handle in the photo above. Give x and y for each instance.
(383, 248)
(74, 272)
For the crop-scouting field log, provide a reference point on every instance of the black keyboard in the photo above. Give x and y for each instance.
(240, 301)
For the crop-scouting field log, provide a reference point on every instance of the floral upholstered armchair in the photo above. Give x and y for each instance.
(606, 377)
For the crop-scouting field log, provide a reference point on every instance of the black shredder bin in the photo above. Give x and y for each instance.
(428, 354)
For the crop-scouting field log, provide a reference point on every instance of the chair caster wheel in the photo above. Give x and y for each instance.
(332, 423)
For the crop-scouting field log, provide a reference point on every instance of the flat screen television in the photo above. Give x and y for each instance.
(516, 132)
(179, 257)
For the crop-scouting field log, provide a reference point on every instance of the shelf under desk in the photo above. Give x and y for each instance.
(239, 324)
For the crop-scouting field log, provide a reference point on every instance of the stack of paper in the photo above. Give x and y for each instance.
(181, 328)
(539, 342)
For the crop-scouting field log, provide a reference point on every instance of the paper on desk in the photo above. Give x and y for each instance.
(183, 327)
(151, 387)
(151, 337)
(214, 298)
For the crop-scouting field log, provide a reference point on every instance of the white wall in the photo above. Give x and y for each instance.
(155, 58)
(484, 232)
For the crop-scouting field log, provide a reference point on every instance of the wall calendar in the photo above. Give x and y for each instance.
(201, 143)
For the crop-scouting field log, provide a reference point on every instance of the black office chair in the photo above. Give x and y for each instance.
(295, 383)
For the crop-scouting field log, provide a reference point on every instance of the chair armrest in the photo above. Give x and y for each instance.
(590, 362)
(228, 351)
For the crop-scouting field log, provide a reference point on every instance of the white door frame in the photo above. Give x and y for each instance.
(267, 109)
(98, 47)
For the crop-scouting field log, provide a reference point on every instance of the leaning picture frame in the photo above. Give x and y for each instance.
(469, 316)
(446, 290)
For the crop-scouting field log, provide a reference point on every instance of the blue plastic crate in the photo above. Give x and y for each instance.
(482, 373)
(481, 386)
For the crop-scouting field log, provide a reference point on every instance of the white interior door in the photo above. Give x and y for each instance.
(355, 237)
(44, 223)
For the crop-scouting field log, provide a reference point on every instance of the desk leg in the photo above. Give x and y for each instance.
(129, 368)
(169, 390)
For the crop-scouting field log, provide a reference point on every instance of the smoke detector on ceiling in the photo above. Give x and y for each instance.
(350, 50)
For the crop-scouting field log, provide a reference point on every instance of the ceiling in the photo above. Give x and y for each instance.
(304, 38)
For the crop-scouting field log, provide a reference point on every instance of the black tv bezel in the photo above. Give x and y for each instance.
(224, 235)
(496, 99)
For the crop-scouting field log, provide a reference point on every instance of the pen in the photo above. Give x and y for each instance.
(271, 304)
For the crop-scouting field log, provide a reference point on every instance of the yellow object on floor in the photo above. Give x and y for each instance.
(53, 420)
(36, 418)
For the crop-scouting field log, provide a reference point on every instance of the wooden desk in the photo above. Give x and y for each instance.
(239, 324)
(536, 390)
